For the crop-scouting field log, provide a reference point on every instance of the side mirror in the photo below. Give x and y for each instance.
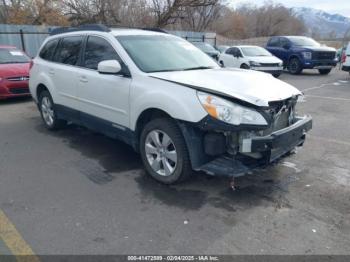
(109, 67)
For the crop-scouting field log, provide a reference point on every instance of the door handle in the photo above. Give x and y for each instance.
(51, 71)
(84, 79)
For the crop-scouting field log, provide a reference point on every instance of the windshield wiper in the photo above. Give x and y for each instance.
(198, 68)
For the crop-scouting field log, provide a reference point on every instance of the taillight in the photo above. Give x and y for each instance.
(343, 58)
(31, 64)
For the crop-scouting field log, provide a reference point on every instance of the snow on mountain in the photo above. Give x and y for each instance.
(323, 24)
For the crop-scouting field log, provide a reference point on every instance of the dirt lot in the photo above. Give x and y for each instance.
(77, 192)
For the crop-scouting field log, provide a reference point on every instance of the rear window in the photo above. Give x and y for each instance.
(13, 56)
(68, 50)
(49, 49)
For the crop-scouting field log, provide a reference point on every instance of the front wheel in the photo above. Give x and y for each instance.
(276, 75)
(245, 66)
(324, 71)
(294, 66)
(164, 152)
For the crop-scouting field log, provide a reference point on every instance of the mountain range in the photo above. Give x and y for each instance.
(322, 24)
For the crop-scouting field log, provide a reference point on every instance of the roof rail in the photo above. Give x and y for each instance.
(155, 29)
(89, 27)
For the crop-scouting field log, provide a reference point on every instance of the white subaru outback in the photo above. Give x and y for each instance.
(167, 99)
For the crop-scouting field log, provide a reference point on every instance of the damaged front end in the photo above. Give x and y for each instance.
(217, 147)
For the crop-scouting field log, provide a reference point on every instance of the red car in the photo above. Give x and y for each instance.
(14, 72)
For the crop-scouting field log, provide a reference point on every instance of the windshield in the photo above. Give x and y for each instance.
(303, 41)
(222, 48)
(205, 47)
(255, 51)
(13, 56)
(164, 53)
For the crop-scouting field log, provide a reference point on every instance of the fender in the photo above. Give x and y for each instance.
(185, 107)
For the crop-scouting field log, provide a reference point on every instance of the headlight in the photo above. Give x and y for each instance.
(229, 112)
(307, 55)
(253, 63)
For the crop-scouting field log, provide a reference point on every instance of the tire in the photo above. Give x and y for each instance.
(48, 113)
(244, 66)
(154, 152)
(324, 71)
(221, 63)
(277, 75)
(294, 66)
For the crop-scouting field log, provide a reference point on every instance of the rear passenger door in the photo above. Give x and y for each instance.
(64, 71)
(104, 99)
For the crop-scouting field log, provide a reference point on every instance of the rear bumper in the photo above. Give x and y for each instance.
(272, 148)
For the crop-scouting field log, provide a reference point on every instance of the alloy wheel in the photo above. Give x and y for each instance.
(161, 153)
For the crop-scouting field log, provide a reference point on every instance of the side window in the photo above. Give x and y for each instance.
(274, 42)
(97, 50)
(48, 50)
(68, 50)
(283, 42)
(229, 51)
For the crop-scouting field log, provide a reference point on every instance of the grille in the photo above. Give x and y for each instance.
(323, 55)
(17, 91)
(269, 64)
(18, 78)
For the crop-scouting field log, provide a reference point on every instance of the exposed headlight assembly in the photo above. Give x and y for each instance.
(230, 112)
(307, 55)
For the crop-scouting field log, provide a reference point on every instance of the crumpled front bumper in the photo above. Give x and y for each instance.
(272, 147)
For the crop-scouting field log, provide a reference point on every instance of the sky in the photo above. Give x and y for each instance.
(331, 6)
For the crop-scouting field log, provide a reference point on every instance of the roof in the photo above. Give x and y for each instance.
(128, 31)
(240, 46)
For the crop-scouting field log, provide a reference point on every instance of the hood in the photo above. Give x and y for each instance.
(253, 87)
(13, 70)
(318, 48)
(264, 59)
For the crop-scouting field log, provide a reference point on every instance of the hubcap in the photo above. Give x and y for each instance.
(47, 111)
(161, 153)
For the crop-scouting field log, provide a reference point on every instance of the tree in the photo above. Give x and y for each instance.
(168, 12)
(37, 12)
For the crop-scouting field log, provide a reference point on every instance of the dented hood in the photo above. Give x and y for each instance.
(247, 85)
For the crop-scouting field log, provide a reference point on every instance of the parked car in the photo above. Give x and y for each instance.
(14, 72)
(299, 52)
(179, 110)
(251, 57)
(222, 48)
(340, 52)
(208, 49)
(346, 59)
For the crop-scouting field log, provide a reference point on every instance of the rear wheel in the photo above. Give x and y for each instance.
(244, 66)
(48, 113)
(324, 71)
(294, 66)
(164, 152)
